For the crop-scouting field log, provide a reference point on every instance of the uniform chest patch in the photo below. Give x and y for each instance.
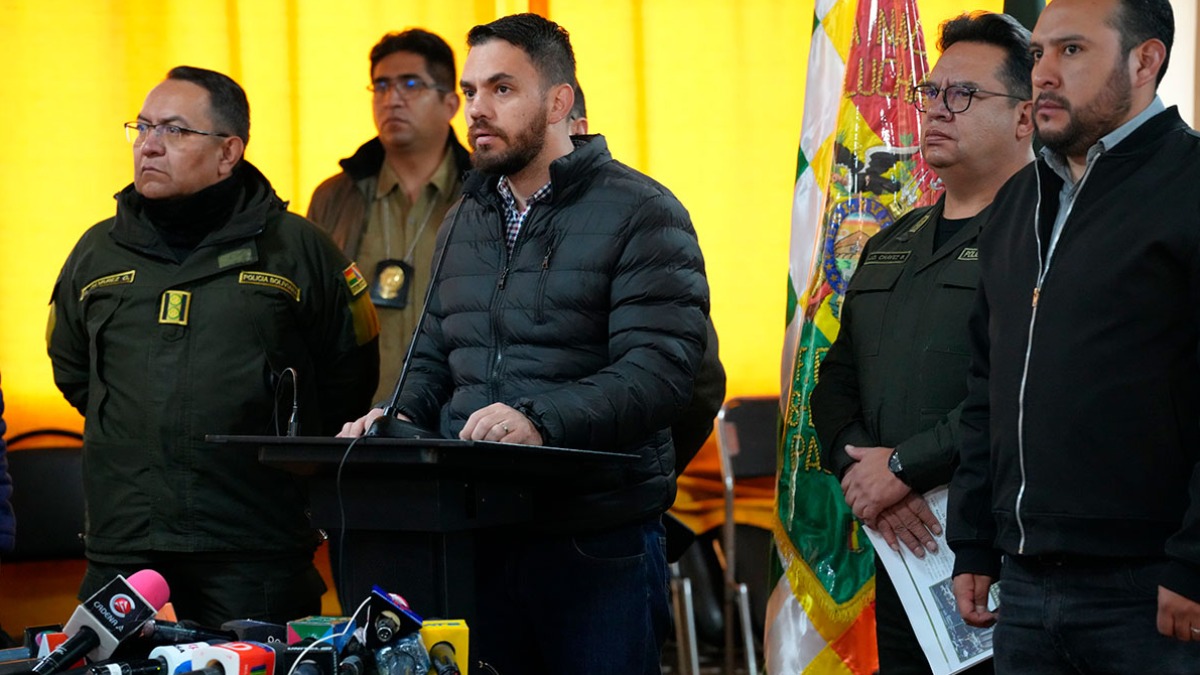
(110, 280)
(887, 258)
(969, 254)
(271, 281)
(174, 308)
(354, 280)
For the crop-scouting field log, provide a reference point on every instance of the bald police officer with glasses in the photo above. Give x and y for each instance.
(196, 310)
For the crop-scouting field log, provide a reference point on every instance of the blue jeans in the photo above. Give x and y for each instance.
(1084, 616)
(594, 603)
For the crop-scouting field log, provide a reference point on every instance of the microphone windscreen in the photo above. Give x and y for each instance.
(151, 586)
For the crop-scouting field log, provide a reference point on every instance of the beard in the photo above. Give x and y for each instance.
(1093, 120)
(523, 146)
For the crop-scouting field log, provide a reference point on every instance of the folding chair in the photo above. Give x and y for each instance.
(747, 439)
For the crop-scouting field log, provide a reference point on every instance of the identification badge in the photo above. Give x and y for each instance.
(393, 279)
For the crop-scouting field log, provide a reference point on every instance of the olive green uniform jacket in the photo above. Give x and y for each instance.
(156, 354)
(896, 375)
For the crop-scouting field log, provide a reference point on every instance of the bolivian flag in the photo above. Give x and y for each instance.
(859, 169)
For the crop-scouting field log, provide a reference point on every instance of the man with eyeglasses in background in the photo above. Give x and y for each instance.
(385, 207)
(204, 307)
(891, 387)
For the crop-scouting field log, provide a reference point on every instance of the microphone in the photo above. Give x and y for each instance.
(234, 658)
(305, 658)
(448, 640)
(335, 629)
(114, 613)
(168, 632)
(250, 630)
(402, 657)
(389, 618)
(441, 657)
(178, 658)
(388, 425)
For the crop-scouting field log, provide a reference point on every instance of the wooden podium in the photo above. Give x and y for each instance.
(408, 510)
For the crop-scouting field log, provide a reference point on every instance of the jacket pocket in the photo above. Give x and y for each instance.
(98, 313)
(950, 308)
(868, 297)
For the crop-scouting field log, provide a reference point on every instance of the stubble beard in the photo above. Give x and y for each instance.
(1094, 120)
(523, 147)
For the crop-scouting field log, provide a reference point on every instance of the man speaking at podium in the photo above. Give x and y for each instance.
(570, 310)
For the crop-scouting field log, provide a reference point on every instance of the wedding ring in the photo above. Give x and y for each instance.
(504, 426)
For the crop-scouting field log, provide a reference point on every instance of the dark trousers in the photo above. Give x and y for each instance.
(594, 603)
(899, 651)
(211, 589)
(1085, 616)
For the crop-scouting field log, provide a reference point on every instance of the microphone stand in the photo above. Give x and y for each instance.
(388, 425)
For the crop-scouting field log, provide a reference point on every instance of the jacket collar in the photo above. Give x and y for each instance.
(567, 173)
(257, 200)
(367, 161)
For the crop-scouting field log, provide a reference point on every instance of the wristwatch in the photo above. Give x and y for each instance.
(896, 467)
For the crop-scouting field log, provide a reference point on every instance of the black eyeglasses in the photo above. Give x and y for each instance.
(138, 132)
(957, 97)
(407, 86)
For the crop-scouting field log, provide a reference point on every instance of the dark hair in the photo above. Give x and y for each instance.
(439, 58)
(547, 44)
(226, 99)
(579, 110)
(998, 30)
(1139, 20)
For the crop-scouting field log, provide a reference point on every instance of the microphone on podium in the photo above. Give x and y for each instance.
(110, 616)
(388, 425)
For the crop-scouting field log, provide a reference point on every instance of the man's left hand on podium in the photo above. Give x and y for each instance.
(501, 423)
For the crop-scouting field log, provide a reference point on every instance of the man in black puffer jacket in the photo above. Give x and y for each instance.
(570, 311)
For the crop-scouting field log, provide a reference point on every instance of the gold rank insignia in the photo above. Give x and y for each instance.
(355, 280)
(174, 307)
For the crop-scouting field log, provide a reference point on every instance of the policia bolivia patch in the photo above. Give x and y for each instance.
(271, 281)
(174, 307)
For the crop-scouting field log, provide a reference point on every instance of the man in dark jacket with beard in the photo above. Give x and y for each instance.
(1080, 461)
(198, 309)
(570, 312)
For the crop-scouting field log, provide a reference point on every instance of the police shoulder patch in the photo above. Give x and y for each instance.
(271, 281)
(354, 280)
(110, 280)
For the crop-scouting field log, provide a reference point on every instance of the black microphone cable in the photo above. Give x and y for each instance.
(293, 425)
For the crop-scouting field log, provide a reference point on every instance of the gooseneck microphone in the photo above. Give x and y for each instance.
(388, 425)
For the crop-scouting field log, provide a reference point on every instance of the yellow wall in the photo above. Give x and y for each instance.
(704, 95)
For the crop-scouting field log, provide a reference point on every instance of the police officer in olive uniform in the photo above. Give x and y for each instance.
(887, 401)
(198, 309)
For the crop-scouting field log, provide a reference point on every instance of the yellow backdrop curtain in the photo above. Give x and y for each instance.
(704, 95)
